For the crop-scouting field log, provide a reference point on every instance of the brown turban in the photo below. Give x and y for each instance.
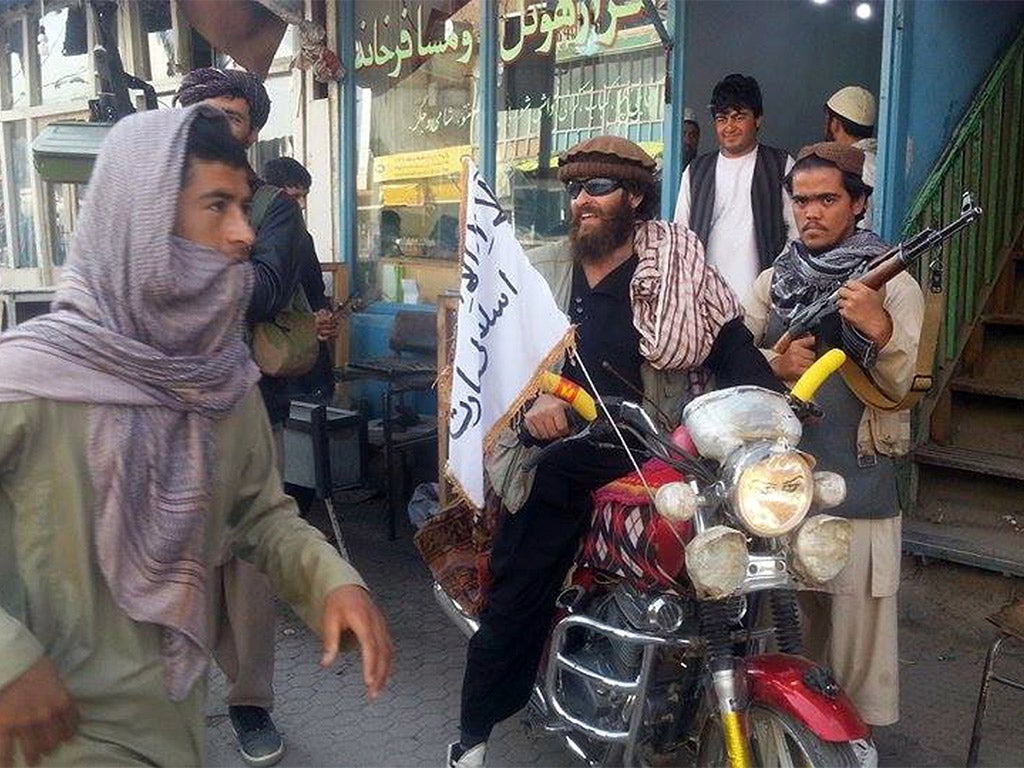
(609, 157)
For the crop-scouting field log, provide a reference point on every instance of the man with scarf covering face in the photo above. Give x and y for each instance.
(134, 449)
(653, 320)
(245, 651)
(851, 626)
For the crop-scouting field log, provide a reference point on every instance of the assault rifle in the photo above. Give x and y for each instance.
(880, 270)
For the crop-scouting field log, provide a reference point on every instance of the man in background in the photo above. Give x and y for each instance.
(850, 116)
(691, 136)
(245, 648)
(293, 179)
(733, 198)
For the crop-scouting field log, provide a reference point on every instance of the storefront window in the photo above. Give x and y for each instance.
(275, 139)
(565, 77)
(63, 56)
(160, 41)
(17, 83)
(417, 74)
(24, 242)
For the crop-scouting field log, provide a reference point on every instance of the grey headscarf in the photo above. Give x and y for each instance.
(799, 276)
(147, 329)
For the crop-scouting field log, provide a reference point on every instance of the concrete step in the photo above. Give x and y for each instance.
(981, 422)
(976, 386)
(954, 495)
(1010, 467)
(968, 545)
(1006, 319)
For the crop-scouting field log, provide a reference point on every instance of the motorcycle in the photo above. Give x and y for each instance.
(674, 668)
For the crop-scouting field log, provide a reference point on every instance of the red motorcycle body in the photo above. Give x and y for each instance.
(629, 539)
(778, 680)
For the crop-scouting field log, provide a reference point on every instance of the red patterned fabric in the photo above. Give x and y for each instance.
(630, 539)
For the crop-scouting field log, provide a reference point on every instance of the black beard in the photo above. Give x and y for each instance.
(614, 230)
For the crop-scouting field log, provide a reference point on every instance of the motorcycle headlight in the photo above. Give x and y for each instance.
(774, 494)
(822, 548)
(716, 561)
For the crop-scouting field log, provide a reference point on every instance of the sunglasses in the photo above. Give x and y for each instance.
(598, 187)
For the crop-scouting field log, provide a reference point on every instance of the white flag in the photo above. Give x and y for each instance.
(509, 331)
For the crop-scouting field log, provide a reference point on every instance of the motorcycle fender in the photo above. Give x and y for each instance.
(779, 680)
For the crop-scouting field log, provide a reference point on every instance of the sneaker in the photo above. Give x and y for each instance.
(867, 755)
(258, 739)
(460, 757)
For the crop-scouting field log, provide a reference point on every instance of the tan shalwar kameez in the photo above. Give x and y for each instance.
(54, 599)
(851, 625)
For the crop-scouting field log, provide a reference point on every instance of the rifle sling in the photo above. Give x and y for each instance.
(868, 392)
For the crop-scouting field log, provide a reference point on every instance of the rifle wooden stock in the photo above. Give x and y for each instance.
(885, 267)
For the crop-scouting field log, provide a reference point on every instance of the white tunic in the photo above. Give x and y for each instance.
(732, 242)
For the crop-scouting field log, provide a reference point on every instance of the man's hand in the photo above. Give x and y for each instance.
(37, 713)
(862, 308)
(791, 364)
(326, 325)
(547, 418)
(350, 608)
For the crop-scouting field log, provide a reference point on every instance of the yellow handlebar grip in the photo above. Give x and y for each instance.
(815, 376)
(572, 393)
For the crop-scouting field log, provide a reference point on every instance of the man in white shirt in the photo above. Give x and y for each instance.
(850, 121)
(733, 199)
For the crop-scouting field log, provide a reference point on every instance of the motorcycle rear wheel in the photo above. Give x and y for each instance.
(777, 740)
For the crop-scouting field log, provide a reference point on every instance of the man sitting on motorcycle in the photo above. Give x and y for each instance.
(850, 627)
(651, 318)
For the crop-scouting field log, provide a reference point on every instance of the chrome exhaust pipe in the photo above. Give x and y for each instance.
(458, 616)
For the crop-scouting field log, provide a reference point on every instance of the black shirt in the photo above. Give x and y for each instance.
(605, 333)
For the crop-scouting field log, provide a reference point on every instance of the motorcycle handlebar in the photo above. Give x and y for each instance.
(816, 375)
(570, 392)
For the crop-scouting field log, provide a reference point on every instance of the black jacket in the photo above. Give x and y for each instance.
(276, 256)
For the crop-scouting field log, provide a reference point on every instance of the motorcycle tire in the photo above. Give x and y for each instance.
(777, 740)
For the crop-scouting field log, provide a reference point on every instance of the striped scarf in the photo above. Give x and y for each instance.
(147, 330)
(680, 303)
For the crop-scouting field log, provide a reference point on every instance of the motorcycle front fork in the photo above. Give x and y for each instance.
(728, 682)
(728, 676)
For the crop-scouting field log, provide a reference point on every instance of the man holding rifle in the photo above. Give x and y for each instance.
(851, 626)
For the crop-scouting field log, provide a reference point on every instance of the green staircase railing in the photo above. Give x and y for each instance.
(986, 157)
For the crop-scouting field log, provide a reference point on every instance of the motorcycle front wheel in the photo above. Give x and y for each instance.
(777, 740)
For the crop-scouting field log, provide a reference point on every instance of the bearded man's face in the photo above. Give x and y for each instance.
(600, 224)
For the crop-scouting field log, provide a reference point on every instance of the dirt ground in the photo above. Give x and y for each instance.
(943, 641)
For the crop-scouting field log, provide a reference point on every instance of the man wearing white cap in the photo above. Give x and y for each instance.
(850, 120)
(691, 136)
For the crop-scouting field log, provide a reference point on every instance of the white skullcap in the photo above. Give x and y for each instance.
(689, 116)
(854, 103)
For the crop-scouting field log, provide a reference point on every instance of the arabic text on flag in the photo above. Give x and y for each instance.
(509, 331)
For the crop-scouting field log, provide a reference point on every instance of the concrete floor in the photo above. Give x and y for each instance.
(326, 720)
